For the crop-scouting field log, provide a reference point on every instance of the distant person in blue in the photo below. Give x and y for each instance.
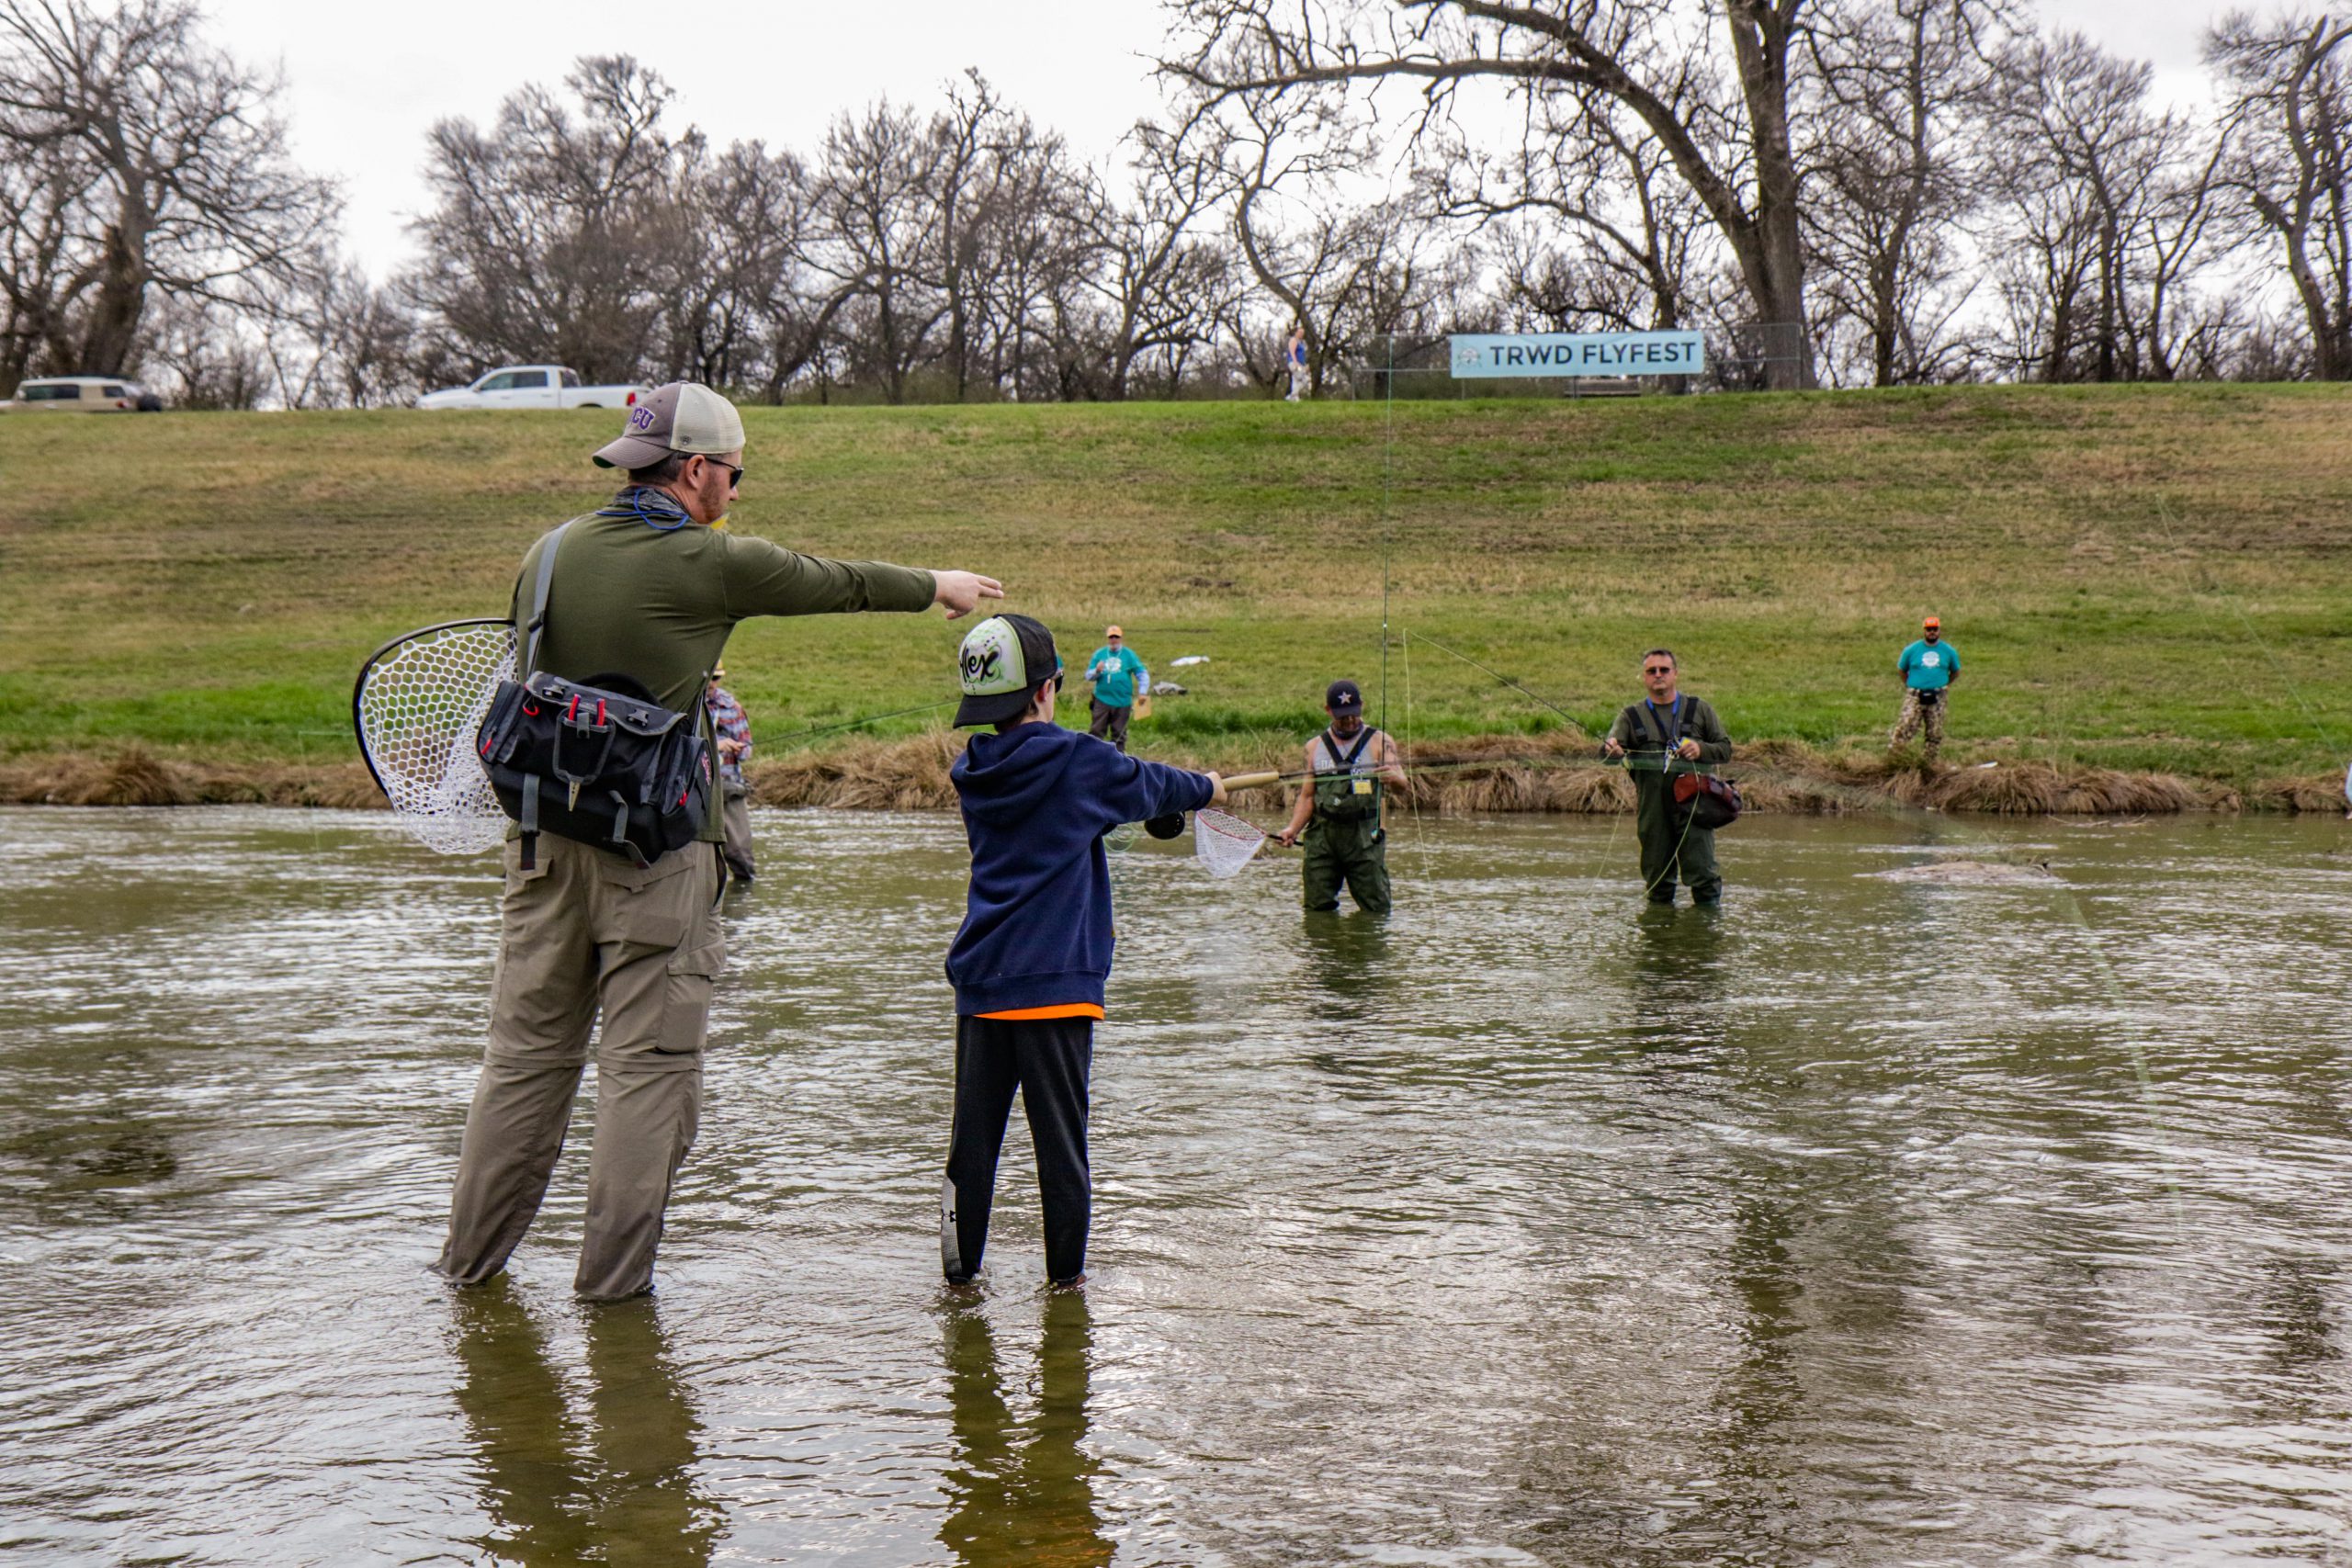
(1929, 667)
(1114, 672)
(1295, 361)
(1029, 963)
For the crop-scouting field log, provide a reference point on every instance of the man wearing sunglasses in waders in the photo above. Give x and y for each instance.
(1338, 811)
(636, 597)
(1668, 730)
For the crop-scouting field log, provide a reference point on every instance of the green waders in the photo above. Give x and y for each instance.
(1355, 854)
(1345, 843)
(1668, 851)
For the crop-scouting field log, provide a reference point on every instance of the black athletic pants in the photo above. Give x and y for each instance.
(1047, 1060)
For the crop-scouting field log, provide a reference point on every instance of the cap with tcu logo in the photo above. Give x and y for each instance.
(685, 416)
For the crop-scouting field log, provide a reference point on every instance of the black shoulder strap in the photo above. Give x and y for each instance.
(1646, 719)
(1348, 763)
(537, 622)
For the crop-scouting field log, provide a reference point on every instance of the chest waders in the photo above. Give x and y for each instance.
(1671, 843)
(1345, 843)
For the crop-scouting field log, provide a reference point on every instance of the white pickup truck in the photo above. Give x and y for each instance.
(530, 387)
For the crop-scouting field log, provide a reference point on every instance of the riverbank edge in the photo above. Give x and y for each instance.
(1549, 775)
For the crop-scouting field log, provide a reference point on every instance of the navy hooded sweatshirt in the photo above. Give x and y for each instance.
(1037, 800)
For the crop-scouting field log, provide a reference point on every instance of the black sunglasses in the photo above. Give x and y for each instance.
(1659, 670)
(734, 473)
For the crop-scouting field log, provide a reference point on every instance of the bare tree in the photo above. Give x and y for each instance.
(1630, 234)
(342, 342)
(2290, 108)
(874, 226)
(2108, 204)
(1897, 157)
(561, 233)
(1160, 279)
(140, 161)
(1716, 94)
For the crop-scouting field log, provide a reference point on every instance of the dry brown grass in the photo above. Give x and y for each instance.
(136, 777)
(1487, 774)
(2322, 794)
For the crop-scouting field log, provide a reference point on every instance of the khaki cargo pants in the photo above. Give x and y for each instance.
(1920, 710)
(587, 932)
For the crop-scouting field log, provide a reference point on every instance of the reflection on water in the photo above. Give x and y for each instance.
(1861, 1221)
(614, 1480)
(1021, 1491)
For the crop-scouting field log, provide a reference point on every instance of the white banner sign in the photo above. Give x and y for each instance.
(1485, 356)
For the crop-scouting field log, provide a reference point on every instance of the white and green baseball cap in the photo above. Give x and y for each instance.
(685, 416)
(1002, 661)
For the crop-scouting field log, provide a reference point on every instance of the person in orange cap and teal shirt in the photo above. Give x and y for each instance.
(1928, 667)
(1113, 671)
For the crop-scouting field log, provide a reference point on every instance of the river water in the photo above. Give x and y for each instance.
(1867, 1221)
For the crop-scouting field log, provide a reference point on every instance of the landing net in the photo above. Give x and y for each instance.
(1223, 843)
(417, 707)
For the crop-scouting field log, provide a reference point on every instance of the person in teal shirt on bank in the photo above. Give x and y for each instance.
(1929, 667)
(1113, 671)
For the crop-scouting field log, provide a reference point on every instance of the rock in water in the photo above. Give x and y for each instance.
(1972, 873)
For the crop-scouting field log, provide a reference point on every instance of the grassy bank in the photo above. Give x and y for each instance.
(2140, 578)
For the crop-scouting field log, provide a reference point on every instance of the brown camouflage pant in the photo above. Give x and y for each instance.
(1916, 714)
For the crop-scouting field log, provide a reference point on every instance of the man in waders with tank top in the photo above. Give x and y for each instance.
(1338, 808)
(1668, 729)
(642, 589)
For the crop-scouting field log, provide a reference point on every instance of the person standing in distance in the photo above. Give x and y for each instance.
(1669, 730)
(1337, 812)
(1113, 671)
(732, 726)
(1929, 667)
(642, 589)
(1030, 960)
(1295, 361)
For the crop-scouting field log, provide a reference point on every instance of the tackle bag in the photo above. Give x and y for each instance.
(1710, 802)
(601, 763)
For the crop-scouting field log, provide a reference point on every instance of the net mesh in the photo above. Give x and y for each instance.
(419, 705)
(1223, 843)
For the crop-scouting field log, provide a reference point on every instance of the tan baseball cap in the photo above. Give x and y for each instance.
(685, 416)
(1113, 631)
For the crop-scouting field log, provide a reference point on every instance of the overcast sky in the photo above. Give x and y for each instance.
(364, 83)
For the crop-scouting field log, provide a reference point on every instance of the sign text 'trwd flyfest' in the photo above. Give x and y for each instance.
(1579, 354)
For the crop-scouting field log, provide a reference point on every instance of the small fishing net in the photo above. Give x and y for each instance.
(417, 707)
(1224, 843)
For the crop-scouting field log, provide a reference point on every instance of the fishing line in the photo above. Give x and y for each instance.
(1507, 680)
(1387, 519)
(855, 723)
(1412, 804)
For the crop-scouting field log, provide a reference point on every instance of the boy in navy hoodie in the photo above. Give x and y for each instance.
(1029, 964)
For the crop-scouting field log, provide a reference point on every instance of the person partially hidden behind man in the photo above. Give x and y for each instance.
(1669, 731)
(645, 590)
(1352, 766)
(732, 726)
(1928, 669)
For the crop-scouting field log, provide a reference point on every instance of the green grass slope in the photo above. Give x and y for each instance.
(2136, 577)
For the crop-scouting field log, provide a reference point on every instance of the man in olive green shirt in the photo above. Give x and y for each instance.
(642, 589)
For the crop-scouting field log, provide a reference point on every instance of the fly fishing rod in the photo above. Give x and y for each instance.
(1636, 762)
